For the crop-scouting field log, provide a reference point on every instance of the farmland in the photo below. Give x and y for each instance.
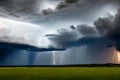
(60, 73)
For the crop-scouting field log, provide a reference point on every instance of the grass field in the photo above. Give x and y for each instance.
(65, 73)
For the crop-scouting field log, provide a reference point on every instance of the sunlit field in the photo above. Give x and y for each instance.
(60, 73)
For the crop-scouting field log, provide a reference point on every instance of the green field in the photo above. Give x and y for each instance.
(52, 73)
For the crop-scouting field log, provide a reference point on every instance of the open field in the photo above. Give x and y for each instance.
(60, 73)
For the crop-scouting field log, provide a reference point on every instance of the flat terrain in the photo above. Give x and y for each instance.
(60, 73)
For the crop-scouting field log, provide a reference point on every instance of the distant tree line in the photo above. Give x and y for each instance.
(68, 65)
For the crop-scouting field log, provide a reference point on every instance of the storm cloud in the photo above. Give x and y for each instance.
(104, 28)
(34, 26)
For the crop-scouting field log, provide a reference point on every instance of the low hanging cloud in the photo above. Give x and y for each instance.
(24, 36)
(82, 34)
(74, 36)
(106, 28)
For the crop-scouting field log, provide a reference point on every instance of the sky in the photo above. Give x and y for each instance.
(59, 32)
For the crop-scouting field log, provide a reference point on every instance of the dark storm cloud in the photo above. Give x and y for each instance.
(74, 10)
(66, 3)
(77, 36)
(102, 25)
(27, 6)
(86, 30)
(81, 34)
(104, 28)
(116, 24)
(75, 40)
(17, 46)
(63, 37)
(114, 33)
(83, 11)
(28, 10)
(18, 5)
(17, 9)
(8, 49)
(80, 4)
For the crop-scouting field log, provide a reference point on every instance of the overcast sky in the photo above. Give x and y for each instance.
(47, 23)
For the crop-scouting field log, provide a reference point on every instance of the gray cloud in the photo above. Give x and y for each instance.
(107, 28)
(5, 36)
(81, 4)
(63, 37)
(67, 3)
(16, 6)
(102, 25)
(86, 30)
(72, 12)
(21, 43)
(114, 33)
(28, 10)
(81, 35)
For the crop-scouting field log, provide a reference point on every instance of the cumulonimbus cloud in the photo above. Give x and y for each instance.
(106, 28)
(103, 27)
(23, 36)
